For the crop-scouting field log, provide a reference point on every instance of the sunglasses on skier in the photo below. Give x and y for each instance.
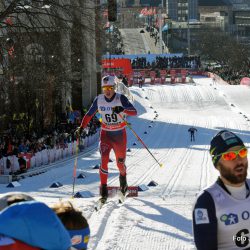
(108, 88)
(232, 155)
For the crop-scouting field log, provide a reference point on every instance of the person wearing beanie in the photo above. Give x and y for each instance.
(221, 214)
(113, 108)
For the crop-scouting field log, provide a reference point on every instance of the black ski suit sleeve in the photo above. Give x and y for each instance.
(205, 223)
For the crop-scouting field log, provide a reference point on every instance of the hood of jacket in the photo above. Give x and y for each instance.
(36, 224)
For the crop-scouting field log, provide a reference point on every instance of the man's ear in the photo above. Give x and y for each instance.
(218, 166)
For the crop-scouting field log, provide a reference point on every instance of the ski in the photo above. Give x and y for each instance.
(122, 197)
(120, 200)
(116, 196)
(99, 204)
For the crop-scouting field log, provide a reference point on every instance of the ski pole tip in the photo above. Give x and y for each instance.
(161, 165)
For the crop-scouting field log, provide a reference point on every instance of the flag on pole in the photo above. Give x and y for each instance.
(165, 27)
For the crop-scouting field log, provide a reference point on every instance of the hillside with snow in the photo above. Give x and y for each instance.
(160, 217)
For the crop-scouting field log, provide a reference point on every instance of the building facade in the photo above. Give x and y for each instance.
(233, 16)
(182, 10)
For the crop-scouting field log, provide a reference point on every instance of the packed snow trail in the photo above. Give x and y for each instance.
(160, 217)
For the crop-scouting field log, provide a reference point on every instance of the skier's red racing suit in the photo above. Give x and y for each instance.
(113, 133)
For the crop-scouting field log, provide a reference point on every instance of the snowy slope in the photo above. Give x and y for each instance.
(160, 218)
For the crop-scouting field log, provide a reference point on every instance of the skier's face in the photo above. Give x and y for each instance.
(108, 91)
(233, 172)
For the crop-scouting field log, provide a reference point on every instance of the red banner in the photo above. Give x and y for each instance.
(183, 75)
(27, 157)
(163, 72)
(148, 12)
(132, 190)
(172, 74)
(142, 73)
(163, 76)
(152, 76)
(123, 65)
(245, 81)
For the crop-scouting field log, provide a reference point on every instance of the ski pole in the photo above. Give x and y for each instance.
(75, 166)
(139, 139)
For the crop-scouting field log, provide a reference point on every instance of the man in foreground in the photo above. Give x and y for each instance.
(221, 215)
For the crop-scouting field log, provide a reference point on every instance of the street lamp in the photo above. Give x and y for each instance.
(160, 28)
(188, 28)
(161, 11)
(188, 36)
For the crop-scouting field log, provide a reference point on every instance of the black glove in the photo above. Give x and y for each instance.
(117, 109)
(78, 131)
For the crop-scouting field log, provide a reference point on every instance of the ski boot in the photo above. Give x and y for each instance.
(123, 188)
(104, 193)
(103, 199)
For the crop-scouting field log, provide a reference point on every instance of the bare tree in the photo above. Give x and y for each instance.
(43, 44)
(223, 48)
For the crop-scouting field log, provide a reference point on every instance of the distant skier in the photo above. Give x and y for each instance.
(113, 107)
(192, 131)
(214, 80)
(140, 81)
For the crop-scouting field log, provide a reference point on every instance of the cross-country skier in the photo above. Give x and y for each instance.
(221, 215)
(192, 130)
(113, 107)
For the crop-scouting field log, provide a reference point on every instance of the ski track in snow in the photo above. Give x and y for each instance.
(160, 217)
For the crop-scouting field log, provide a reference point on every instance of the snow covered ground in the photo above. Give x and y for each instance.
(159, 218)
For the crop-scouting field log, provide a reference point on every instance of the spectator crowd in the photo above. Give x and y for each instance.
(154, 33)
(231, 76)
(12, 144)
(163, 62)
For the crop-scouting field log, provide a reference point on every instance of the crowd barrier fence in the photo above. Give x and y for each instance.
(10, 164)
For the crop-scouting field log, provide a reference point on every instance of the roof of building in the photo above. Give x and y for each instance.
(214, 2)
